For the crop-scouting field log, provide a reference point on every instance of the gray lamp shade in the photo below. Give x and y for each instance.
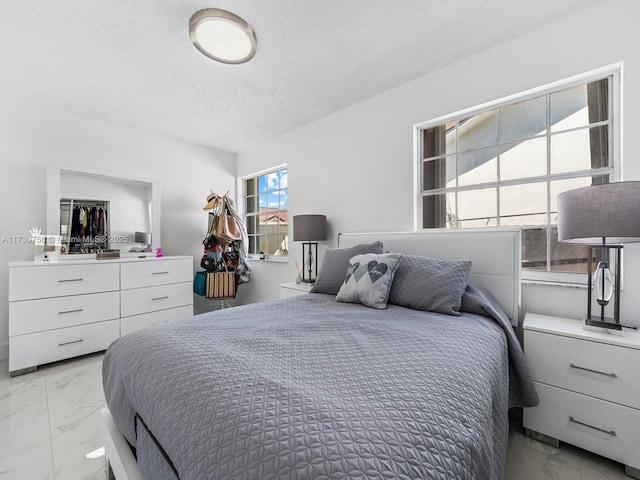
(309, 228)
(591, 214)
(142, 237)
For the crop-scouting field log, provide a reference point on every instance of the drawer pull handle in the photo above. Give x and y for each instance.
(70, 280)
(608, 432)
(612, 375)
(159, 273)
(70, 343)
(70, 311)
(160, 298)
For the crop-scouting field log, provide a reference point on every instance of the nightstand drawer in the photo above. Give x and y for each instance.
(600, 370)
(595, 425)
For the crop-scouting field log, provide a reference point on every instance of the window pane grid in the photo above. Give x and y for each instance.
(522, 181)
(560, 137)
(500, 142)
(266, 212)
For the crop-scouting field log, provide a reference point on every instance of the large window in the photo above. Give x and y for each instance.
(505, 164)
(266, 204)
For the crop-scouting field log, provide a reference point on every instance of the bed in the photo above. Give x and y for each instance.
(308, 387)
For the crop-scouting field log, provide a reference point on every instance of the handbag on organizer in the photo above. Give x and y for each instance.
(208, 263)
(200, 283)
(221, 285)
(210, 242)
(226, 229)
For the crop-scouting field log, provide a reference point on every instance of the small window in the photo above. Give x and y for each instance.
(266, 206)
(504, 166)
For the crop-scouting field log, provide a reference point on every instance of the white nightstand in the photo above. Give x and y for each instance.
(589, 388)
(293, 289)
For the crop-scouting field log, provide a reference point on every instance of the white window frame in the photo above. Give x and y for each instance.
(615, 150)
(243, 194)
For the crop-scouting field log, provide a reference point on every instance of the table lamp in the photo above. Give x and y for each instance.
(309, 229)
(603, 217)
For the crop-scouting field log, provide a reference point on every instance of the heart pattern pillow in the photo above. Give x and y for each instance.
(368, 279)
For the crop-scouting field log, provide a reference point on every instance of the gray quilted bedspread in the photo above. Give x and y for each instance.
(307, 388)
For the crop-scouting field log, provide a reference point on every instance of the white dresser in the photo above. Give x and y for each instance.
(68, 308)
(589, 388)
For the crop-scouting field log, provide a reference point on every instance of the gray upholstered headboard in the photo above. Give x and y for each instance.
(495, 256)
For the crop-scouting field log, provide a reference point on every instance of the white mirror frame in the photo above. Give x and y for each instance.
(54, 195)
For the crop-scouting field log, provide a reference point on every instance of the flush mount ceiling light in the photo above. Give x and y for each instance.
(222, 36)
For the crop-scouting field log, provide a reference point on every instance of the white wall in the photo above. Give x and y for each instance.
(33, 137)
(356, 165)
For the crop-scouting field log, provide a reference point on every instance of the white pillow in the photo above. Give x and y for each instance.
(368, 279)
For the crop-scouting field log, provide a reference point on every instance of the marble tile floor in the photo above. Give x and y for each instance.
(50, 430)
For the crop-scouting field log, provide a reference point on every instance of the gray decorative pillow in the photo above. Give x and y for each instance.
(368, 280)
(424, 283)
(334, 266)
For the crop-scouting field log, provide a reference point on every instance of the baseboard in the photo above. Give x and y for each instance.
(4, 351)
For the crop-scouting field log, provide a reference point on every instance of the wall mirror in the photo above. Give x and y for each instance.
(94, 210)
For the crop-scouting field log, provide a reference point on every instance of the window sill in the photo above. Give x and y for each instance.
(553, 284)
(270, 258)
(558, 279)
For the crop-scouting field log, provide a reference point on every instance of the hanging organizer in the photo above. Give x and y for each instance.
(224, 257)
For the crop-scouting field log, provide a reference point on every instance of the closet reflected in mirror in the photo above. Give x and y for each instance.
(84, 225)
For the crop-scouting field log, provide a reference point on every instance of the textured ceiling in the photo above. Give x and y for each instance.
(131, 62)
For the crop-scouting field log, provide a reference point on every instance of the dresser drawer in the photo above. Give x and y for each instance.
(156, 272)
(153, 299)
(138, 322)
(51, 313)
(562, 414)
(44, 347)
(601, 370)
(57, 280)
